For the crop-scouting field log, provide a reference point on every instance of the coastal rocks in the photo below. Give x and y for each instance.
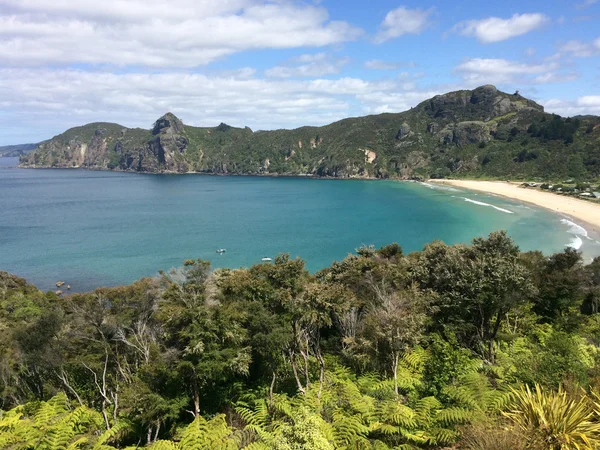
(485, 102)
(370, 155)
(315, 141)
(464, 133)
(168, 123)
(484, 94)
(404, 131)
(169, 141)
(414, 160)
(432, 128)
(60, 284)
(470, 133)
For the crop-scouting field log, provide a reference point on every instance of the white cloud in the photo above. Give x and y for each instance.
(495, 29)
(316, 65)
(589, 104)
(502, 71)
(581, 49)
(43, 102)
(401, 21)
(180, 33)
(378, 64)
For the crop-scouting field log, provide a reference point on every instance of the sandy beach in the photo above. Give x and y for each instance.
(581, 210)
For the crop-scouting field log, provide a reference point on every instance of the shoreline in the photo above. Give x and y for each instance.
(580, 211)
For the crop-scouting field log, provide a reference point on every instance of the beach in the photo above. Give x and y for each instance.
(581, 211)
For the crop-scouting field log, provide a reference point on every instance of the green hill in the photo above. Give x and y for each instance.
(8, 151)
(478, 133)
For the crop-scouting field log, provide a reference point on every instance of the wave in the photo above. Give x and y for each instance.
(487, 204)
(578, 231)
(439, 187)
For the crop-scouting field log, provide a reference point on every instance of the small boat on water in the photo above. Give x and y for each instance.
(266, 259)
(221, 251)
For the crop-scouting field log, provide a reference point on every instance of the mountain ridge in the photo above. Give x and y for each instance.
(479, 132)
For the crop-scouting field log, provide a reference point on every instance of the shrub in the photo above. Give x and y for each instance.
(552, 420)
(492, 437)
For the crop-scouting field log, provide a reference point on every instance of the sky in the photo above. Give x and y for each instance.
(282, 63)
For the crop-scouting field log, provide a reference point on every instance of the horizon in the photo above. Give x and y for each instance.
(281, 64)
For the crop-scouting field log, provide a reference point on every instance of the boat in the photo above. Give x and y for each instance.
(221, 251)
(266, 259)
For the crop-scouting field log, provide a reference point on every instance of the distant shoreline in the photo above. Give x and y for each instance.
(585, 212)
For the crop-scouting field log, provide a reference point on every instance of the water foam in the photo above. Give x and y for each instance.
(578, 231)
(487, 204)
(439, 187)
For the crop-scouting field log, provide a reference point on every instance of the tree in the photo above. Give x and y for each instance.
(475, 287)
(208, 336)
(392, 326)
(560, 285)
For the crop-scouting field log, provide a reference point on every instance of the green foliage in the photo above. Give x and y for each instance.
(379, 351)
(553, 420)
(55, 425)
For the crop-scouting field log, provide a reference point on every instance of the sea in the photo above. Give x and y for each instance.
(93, 229)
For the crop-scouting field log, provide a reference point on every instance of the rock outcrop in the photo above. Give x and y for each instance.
(483, 130)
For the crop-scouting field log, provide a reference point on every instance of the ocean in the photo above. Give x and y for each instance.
(95, 229)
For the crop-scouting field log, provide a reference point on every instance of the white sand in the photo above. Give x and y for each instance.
(581, 210)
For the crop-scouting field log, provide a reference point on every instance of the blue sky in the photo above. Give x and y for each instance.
(281, 63)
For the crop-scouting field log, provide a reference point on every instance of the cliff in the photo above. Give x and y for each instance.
(479, 132)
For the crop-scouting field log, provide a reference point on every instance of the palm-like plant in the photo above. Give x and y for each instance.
(554, 421)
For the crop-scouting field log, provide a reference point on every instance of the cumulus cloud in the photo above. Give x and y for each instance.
(43, 102)
(589, 104)
(495, 29)
(316, 65)
(502, 71)
(581, 49)
(401, 21)
(180, 33)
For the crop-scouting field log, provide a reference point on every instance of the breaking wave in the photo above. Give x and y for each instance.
(577, 231)
(440, 187)
(487, 204)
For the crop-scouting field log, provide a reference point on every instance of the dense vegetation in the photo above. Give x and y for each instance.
(478, 133)
(475, 347)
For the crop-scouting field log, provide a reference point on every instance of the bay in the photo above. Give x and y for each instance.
(95, 229)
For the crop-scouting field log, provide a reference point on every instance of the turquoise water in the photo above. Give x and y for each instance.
(103, 228)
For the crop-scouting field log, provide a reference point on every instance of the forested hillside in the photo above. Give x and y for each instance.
(473, 347)
(483, 132)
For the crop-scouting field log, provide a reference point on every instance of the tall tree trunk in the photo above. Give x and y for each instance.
(321, 372)
(296, 376)
(196, 401)
(395, 370)
(156, 432)
(271, 389)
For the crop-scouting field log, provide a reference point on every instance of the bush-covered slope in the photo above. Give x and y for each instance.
(484, 132)
(477, 347)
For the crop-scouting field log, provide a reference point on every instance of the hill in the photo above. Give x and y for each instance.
(9, 151)
(483, 132)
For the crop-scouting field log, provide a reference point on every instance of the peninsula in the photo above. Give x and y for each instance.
(462, 134)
